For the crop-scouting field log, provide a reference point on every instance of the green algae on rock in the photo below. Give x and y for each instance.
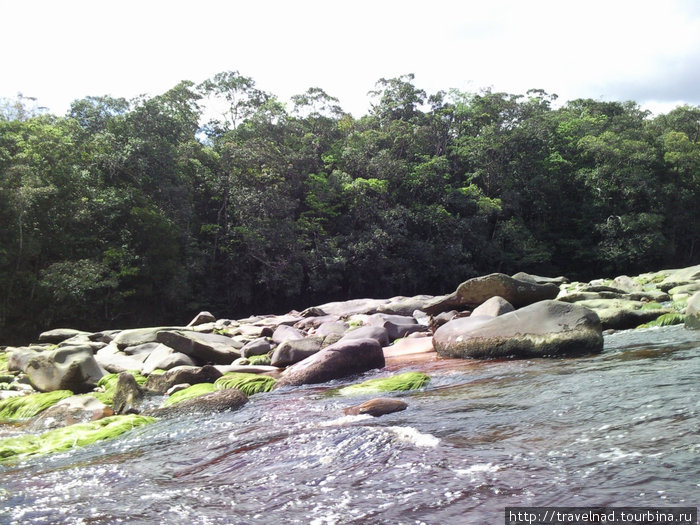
(248, 383)
(109, 383)
(190, 392)
(665, 320)
(65, 438)
(257, 360)
(398, 382)
(24, 407)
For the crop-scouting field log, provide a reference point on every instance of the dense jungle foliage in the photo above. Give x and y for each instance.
(127, 213)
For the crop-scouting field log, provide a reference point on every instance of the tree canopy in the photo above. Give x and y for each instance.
(128, 212)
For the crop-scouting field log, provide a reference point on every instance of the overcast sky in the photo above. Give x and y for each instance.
(647, 51)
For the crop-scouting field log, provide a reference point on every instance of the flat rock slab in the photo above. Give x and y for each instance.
(544, 329)
(341, 359)
(58, 335)
(409, 346)
(203, 348)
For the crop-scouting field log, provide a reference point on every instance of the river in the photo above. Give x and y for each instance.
(616, 429)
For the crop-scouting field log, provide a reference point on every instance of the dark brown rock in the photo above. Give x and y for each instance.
(377, 407)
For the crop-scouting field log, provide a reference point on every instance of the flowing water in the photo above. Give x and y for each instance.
(619, 428)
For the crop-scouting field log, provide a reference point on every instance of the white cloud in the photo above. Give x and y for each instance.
(641, 50)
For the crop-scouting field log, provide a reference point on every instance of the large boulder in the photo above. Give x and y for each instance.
(137, 336)
(404, 305)
(544, 329)
(202, 318)
(203, 348)
(538, 279)
(284, 332)
(692, 312)
(476, 291)
(259, 346)
(68, 368)
(680, 277)
(114, 361)
(353, 306)
(295, 350)
(344, 358)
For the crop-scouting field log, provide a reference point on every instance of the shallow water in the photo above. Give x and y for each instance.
(619, 428)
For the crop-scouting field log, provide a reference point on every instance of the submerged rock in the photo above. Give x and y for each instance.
(543, 329)
(344, 358)
(377, 407)
(250, 384)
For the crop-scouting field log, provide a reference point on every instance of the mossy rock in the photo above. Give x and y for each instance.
(651, 306)
(258, 360)
(109, 383)
(65, 438)
(4, 356)
(24, 407)
(188, 393)
(399, 382)
(248, 383)
(665, 320)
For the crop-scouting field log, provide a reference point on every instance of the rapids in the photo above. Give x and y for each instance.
(618, 428)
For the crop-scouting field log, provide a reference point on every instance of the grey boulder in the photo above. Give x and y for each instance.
(204, 348)
(341, 359)
(68, 368)
(544, 329)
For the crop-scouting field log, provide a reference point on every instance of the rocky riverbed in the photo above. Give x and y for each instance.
(73, 388)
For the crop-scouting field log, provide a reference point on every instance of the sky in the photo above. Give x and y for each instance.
(646, 51)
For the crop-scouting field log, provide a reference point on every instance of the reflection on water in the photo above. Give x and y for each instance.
(619, 428)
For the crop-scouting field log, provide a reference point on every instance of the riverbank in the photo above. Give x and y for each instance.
(74, 388)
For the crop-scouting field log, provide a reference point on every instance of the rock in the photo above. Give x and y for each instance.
(127, 395)
(493, 307)
(543, 329)
(284, 333)
(333, 327)
(396, 326)
(138, 336)
(259, 346)
(404, 305)
(538, 279)
(116, 362)
(177, 388)
(219, 401)
(141, 352)
(202, 318)
(266, 370)
(344, 358)
(71, 410)
(69, 368)
(20, 356)
(250, 331)
(314, 322)
(354, 306)
(58, 335)
(680, 277)
(475, 291)
(160, 383)
(165, 358)
(377, 407)
(692, 312)
(621, 314)
(274, 321)
(204, 348)
(295, 350)
(626, 283)
(313, 311)
(378, 333)
(409, 346)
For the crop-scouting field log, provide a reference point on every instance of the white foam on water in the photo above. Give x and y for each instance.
(344, 420)
(415, 437)
(477, 468)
